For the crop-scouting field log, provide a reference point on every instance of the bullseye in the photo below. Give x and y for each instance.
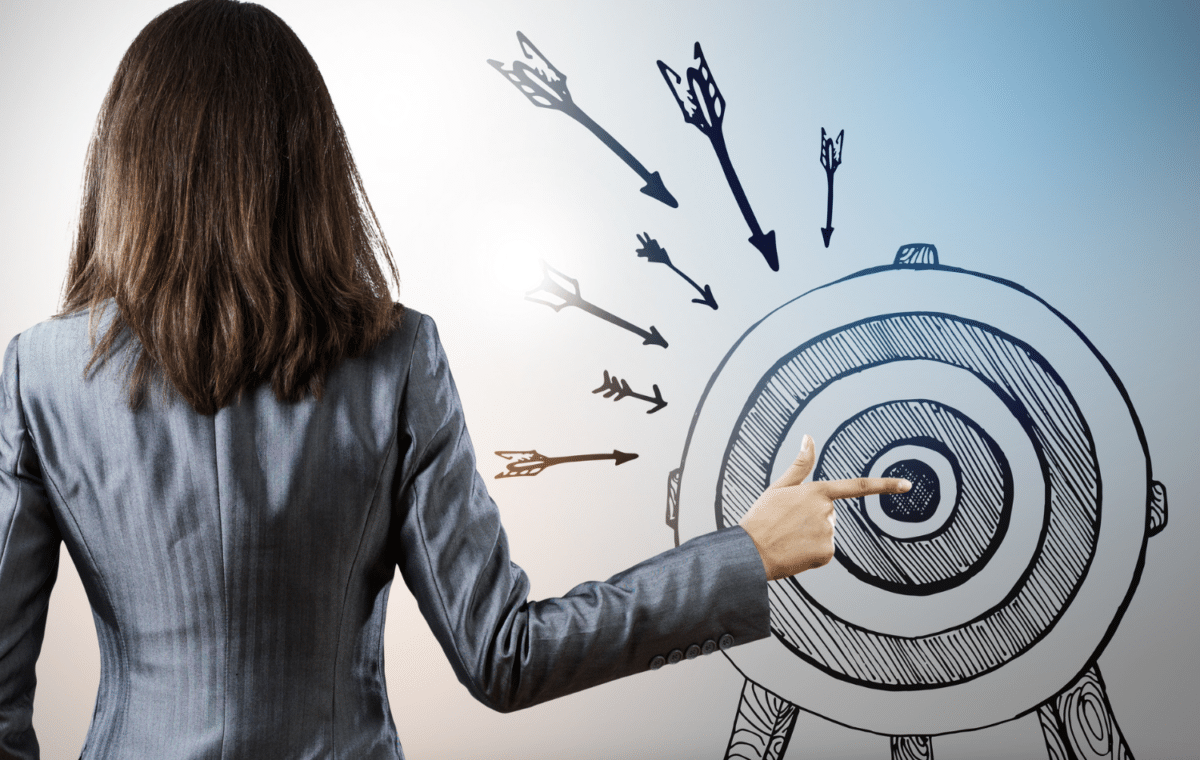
(921, 500)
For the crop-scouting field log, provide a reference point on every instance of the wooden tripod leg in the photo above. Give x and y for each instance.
(912, 748)
(763, 725)
(1079, 725)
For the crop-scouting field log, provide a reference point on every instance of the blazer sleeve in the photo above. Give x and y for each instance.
(510, 652)
(29, 550)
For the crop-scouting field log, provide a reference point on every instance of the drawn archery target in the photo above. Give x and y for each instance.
(987, 588)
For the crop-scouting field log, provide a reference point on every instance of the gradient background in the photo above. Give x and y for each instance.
(1055, 145)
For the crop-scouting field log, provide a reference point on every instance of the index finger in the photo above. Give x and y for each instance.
(856, 487)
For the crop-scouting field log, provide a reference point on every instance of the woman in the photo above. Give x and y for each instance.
(239, 436)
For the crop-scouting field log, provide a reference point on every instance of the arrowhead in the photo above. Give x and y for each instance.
(658, 401)
(766, 246)
(655, 339)
(708, 299)
(826, 232)
(620, 457)
(658, 191)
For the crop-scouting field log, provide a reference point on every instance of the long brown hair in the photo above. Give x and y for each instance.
(223, 215)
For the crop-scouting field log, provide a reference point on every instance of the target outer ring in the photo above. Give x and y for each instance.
(1071, 643)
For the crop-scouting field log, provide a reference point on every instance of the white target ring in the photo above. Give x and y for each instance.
(889, 665)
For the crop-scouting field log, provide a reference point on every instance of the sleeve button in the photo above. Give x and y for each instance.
(674, 657)
(658, 662)
(725, 642)
(692, 652)
(709, 647)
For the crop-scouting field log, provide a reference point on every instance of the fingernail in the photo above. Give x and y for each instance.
(905, 485)
(808, 442)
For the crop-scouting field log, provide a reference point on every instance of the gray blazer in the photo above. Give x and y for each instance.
(238, 565)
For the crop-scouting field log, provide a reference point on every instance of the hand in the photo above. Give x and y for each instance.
(792, 523)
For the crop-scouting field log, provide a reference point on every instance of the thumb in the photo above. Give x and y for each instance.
(801, 468)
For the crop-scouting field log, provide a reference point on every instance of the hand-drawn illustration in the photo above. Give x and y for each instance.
(654, 253)
(617, 389)
(831, 159)
(530, 463)
(703, 105)
(990, 589)
(546, 87)
(763, 726)
(552, 286)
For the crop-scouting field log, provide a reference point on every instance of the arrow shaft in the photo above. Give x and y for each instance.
(549, 461)
(577, 113)
(829, 205)
(684, 276)
(650, 399)
(608, 317)
(717, 136)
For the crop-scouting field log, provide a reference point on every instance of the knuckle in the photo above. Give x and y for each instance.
(826, 555)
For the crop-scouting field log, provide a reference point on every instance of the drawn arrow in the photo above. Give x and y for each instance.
(546, 87)
(529, 463)
(654, 253)
(619, 389)
(551, 286)
(831, 159)
(704, 106)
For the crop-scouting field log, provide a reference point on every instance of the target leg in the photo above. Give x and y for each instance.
(763, 726)
(912, 748)
(1079, 725)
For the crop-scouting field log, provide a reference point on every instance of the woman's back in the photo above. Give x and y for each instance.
(238, 564)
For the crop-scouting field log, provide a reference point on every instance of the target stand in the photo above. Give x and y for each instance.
(989, 589)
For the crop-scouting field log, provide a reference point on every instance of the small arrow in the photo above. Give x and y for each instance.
(530, 463)
(704, 106)
(831, 159)
(546, 87)
(551, 286)
(620, 389)
(654, 253)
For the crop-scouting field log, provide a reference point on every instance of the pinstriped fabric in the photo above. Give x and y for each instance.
(238, 565)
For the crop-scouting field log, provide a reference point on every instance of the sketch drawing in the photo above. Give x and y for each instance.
(831, 159)
(703, 106)
(617, 389)
(654, 253)
(546, 87)
(556, 285)
(530, 463)
(986, 592)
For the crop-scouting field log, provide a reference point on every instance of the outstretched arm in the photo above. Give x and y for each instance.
(512, 652)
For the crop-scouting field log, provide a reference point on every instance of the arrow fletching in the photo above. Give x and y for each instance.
(552, 287)
(701, 103)
(651, 251)
(611, 386)
(544, 85)
(710, 98)
(521, 463)
(685, 99)
(831, 151)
